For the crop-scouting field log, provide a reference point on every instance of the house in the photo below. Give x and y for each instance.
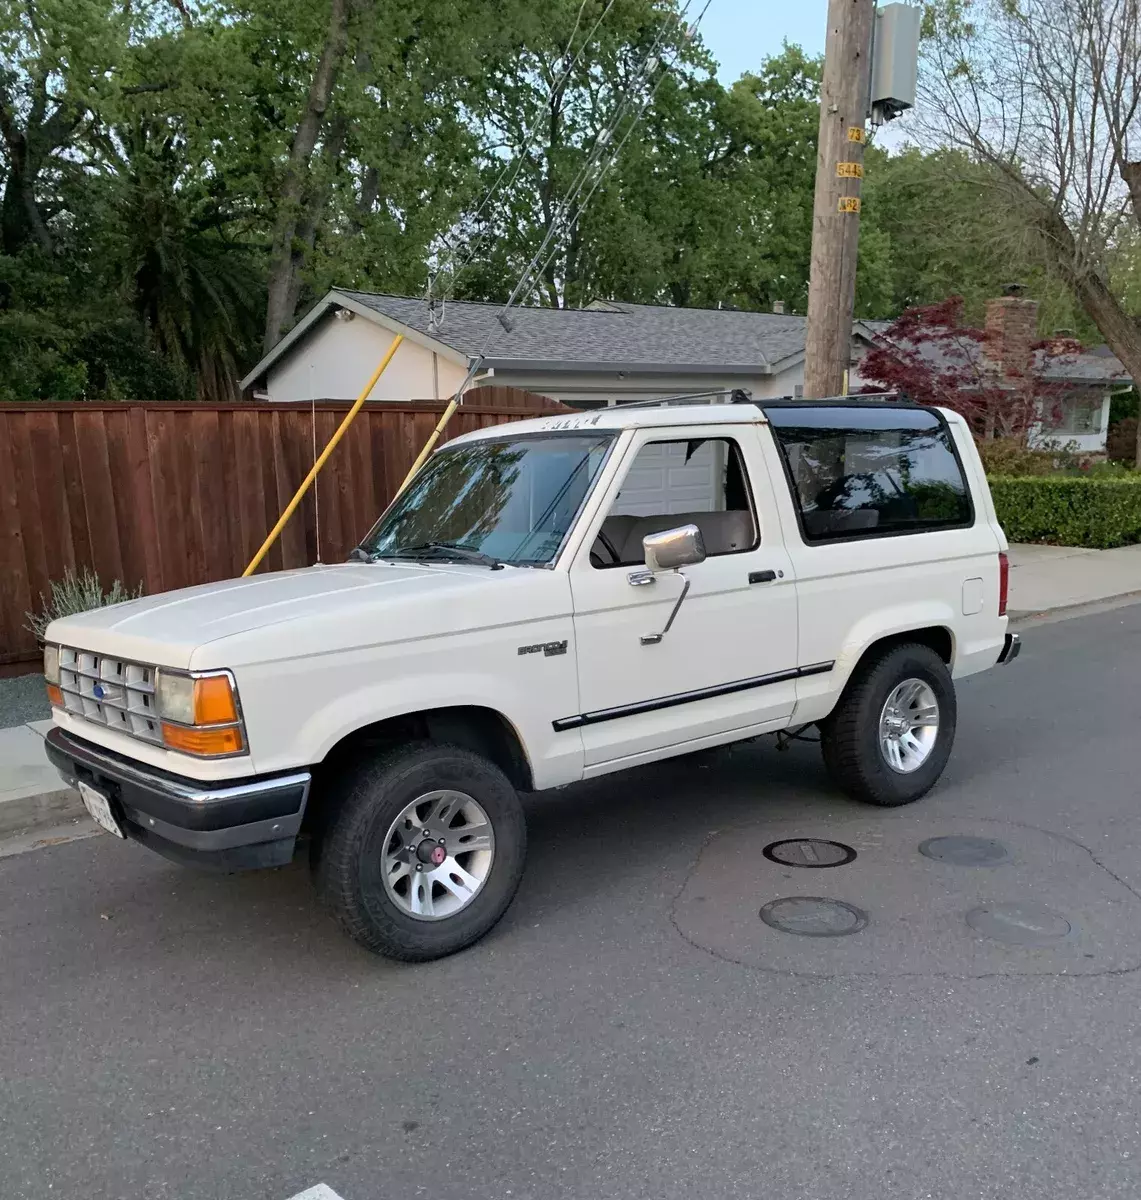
(604, 354)
(611, 353)
(1080, 385)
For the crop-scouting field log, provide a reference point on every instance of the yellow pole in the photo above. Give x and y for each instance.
(291, 507)
(430, 443)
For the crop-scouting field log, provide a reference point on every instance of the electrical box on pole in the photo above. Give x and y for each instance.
(871, 59)
(895, 61)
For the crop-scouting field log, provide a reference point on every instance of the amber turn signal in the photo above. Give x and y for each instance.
(214, 701)
(55, 696)
(207, 743)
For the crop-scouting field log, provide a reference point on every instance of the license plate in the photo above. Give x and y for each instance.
(100, 809)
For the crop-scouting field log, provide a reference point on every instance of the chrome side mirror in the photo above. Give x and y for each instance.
(680, 547)
(673, 548)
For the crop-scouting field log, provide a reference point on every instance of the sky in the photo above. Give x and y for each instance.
(739, 33)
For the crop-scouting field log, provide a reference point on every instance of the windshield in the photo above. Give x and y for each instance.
(510, 500)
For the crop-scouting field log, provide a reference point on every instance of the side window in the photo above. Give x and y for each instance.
(865, 472)
(698, 481)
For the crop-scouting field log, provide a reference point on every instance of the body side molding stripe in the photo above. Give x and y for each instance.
(720, 689)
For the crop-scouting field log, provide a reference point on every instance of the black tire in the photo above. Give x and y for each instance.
(348, 854)
(849, 737)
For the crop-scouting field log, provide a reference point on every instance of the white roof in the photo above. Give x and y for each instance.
(629, 416)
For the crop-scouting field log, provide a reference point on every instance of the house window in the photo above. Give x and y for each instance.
(1077, 414)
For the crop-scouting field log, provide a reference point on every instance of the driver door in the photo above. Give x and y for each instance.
(728, 662)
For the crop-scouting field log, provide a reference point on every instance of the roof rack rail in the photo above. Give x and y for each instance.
(859, 400)
(849, 399)
(736, 396)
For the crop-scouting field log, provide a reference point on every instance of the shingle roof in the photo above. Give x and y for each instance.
(1094, 366)
(636, 337)
(1091, 366)
(611, 335)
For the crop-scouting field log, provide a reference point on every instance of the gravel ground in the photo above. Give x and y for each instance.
(22, 700)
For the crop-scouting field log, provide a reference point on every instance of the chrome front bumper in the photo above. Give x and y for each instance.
(231, 826)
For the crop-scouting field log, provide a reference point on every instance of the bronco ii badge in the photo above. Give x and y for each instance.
(549, 649)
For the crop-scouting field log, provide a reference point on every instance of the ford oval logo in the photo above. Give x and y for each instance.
(98, 692)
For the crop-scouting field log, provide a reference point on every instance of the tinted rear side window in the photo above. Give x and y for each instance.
(867, 472)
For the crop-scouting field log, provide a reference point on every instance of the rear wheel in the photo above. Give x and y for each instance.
(889, 738)
(424, 853)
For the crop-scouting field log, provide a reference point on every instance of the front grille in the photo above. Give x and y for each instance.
(110, 692)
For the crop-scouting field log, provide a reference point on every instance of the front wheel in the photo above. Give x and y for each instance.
(425, 852)
(890, 736)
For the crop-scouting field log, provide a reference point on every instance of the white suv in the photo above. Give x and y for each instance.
(548, 601)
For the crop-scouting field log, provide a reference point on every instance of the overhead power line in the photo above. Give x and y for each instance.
(515, 167)
(651, 62)
(599, 163)
(603, 156)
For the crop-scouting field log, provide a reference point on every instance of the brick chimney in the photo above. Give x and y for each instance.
(1011, 331)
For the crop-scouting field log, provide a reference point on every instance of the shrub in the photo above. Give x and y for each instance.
(1097, 512)
(75, 594)
(1106, 470)
(1123, 407)
(1010, 456)
(1121, 444)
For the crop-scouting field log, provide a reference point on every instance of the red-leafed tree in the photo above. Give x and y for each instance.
(931, 356)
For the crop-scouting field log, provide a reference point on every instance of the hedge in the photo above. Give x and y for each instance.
(1098, 513)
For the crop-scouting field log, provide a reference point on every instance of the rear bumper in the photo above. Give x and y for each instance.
(1011, 648)
(231, 826)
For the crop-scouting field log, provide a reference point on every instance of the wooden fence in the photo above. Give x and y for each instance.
(168, 495)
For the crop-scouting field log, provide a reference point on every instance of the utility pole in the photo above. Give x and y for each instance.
(836, 206)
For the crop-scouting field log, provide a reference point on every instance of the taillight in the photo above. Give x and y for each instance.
(1003, 581)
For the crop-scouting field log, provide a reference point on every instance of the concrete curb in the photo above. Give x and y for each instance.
(1080, 608)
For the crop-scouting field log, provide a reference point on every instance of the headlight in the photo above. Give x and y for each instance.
(175, 698)
(199, 714)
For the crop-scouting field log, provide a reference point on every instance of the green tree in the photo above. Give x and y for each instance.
(716, 192)
(58, 61)
(1046, 94)
(375, 146)
(710, 201)
(563, 102)
(943, 235)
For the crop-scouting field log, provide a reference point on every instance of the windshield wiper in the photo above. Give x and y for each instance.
(358, 554)
(445, 550)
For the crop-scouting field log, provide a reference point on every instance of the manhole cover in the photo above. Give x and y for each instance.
(813, 916)
(965, 851)
(809, 852)
(1025, 924)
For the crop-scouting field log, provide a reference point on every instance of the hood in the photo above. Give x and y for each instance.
(326, 607)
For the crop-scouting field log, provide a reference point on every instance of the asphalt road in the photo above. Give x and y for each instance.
(631, 1029)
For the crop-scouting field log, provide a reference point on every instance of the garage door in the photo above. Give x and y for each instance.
(667, 477)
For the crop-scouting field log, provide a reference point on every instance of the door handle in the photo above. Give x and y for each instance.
(762, 576)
